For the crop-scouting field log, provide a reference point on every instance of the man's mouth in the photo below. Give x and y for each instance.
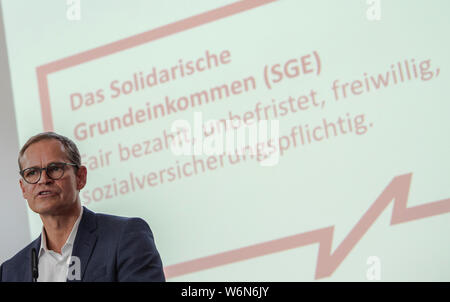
(46, 193)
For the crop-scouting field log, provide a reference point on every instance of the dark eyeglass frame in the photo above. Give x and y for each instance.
(22, 173)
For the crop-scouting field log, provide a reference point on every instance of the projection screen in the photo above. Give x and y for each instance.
(261, 140)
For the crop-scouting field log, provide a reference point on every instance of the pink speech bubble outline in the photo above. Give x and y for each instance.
(161, 32)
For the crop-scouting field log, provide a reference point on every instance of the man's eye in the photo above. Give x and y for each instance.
(30, 173)
(54, 168)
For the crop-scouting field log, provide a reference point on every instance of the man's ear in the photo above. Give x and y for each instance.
(81, 177)
(22, 187)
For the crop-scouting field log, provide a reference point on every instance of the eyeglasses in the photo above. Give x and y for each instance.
(54, 171)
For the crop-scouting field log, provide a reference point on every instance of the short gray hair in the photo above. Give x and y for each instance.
(69, 146)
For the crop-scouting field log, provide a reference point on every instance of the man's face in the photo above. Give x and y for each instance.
(61, 195)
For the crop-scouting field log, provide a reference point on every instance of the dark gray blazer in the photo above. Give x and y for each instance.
(110, 248)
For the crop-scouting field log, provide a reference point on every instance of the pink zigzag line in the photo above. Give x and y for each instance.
(327, 262)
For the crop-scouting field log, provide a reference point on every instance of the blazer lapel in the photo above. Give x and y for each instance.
(85, 239)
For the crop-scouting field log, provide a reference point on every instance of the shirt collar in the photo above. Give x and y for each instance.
(70, 240)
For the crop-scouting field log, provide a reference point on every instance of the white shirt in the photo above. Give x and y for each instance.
(53, 267)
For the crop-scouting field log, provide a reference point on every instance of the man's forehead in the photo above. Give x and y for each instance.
(44, 150)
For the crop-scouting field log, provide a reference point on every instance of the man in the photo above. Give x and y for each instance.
(75, 243)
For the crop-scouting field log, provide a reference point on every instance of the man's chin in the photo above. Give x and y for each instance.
(47, 206)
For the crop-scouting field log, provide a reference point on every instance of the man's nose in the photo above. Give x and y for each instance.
(44, 178)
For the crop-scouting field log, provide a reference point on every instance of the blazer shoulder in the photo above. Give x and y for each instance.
(112, 220)
(119, 224)
(23, 253)
(115, 222)
(21, 258)
(113, 227)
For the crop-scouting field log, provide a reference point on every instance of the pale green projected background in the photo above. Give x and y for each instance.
(364, 85)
